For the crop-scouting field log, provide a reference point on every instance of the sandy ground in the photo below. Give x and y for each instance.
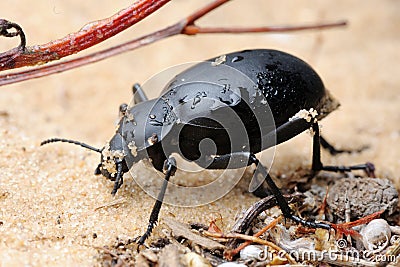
(50, 201)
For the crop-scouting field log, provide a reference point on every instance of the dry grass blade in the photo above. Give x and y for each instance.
(112, 203)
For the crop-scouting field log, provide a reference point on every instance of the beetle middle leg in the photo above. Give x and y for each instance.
(241, 159)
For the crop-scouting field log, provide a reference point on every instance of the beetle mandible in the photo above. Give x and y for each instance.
(289, 88)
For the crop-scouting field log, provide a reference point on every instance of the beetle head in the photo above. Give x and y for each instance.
(112, 160)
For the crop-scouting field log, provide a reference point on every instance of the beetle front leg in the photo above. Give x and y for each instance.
(138, 94)
(169, 169)
(138, 97)
(317, 165)
(119, 180)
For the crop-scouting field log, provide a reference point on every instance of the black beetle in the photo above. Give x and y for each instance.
(189, 111)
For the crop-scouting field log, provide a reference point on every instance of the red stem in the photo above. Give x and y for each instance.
(89, 35)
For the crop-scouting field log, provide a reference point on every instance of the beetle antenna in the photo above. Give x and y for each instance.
(53, 140)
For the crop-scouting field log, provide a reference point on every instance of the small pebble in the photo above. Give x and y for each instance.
(193, 259)
(376, 235)
(252, 252)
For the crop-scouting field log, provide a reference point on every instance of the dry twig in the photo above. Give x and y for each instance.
(345, 228)
(229, 254)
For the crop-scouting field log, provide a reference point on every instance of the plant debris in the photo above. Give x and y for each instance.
(261, 236)
(180, 230)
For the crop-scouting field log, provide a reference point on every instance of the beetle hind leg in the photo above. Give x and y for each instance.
(334, 151)
(317, 165)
